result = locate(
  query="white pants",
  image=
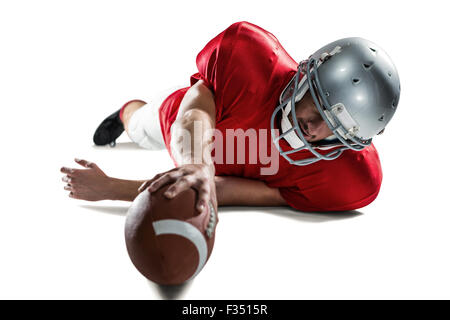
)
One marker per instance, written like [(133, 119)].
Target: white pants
[(144, 127)]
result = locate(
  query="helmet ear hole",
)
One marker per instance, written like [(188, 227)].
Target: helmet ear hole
[(356, 81), (368, 65), (395, 103)]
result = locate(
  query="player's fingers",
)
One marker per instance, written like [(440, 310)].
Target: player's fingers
[(77, 195), (67, 170), (68, 187), (147, 183), (179, 186), (144, 186), (163, 180), (67, 179), (203, 197), (85, 163)]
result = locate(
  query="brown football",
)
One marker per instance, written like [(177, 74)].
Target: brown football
[(168, 240)]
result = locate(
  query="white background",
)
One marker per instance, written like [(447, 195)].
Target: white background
[(65, 65)]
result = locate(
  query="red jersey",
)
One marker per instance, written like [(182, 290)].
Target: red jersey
[(247, 69)]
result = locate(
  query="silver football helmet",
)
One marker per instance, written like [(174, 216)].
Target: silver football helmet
[(355, 87)]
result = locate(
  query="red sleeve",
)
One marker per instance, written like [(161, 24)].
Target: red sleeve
[(350, 182), (207, 63)]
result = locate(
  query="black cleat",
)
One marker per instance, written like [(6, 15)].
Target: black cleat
[(109, 130)]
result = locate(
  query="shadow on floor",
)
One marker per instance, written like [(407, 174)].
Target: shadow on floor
[(120, 146), (282, 212), (170, 292), (285, 212), (113, 210)]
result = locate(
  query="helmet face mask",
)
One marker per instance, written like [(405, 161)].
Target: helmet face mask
[(354, 86)]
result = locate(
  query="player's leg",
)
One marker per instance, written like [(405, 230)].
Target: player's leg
[(112, 126), (139, 119), (141, 122), (128, 110)]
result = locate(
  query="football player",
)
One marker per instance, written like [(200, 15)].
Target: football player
[(313, 121)]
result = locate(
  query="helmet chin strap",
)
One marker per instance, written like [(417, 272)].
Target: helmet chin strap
[(292, 138)]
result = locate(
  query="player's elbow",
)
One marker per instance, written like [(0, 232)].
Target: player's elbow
[(193, 116)]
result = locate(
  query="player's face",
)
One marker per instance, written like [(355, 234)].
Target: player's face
[(310, 121)]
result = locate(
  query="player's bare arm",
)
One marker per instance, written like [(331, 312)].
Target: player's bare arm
[(191, 148), (236, 191), (90, 183)]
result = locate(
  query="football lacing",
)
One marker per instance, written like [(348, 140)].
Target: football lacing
[(212, 221)]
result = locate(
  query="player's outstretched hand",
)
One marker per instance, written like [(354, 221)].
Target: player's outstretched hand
[(90, 184), (197, 176)]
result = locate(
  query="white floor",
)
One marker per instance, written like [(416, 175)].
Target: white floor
[(60, 78)]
